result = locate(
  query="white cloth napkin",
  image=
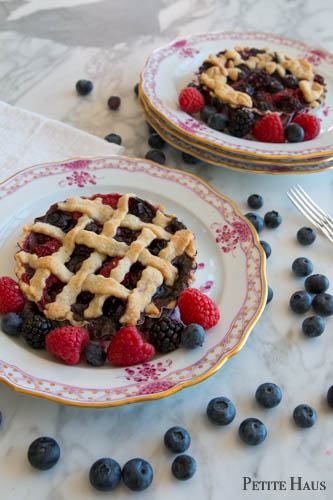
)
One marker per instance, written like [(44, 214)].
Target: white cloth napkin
[(28, 138)]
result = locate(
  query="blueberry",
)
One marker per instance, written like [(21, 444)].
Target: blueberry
[(177, 439), (316, 283), (189, 159), (269, 294), (323, 304), (114, 138), (155, 141), (275, 86), (183, 467), (330, 396), (302, 266), (84, 87), (290, 81), (221, 411), (114, 102), (43, 453), (192, 336), (272, 219), (252, 431), (137, 474), (105, 474), (151, 129), (300, 302), (294, 132), (255, 201), (218, 121), (156, 155), (304, 416), (95, 354), (256, 220), (206, 112), (267, 248), (0, 417), (11, 323), (268, 395), (306, 235), (313, 326), (136, 89)]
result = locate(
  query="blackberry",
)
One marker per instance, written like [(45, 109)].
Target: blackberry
[(290, 104), (291, 82), (241, 122), (259, 79), (34, 331), (263, 101), (165, 334), (246, 88), (275, 86)]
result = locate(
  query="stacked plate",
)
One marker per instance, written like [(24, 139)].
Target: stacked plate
[(170, 69)]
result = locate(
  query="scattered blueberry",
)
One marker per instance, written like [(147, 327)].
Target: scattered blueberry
[(189, 159), (136, 89), (183, 467), (156, 155), (252, 431), (218, 121), (316, 283), (206, 112), (151, 129), (192, 336), (105, 474), (313, 326), (11, 323), (155, 141), (221, 411), (302, 266), (323, 304), (0, 417), (255, 201), (137, 474), (114, 102), (272, 219), (95, 354), (84, 87), (177, 439), (114, 138), (306, 236), (294, 133), (304, 416), (43, 453), (300, 302), (256, 220), (267, 248), (268, 395), (269, 294), (330, 396)]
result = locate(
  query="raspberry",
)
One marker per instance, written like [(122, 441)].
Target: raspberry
[(269, 129), (11, 297), (67, 343), (310, 124), (106, 270), (195, 307), (47, 248), (128, 348), (191, 100)]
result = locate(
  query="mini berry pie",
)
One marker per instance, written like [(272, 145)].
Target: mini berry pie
[(104, 262), (246, 84)]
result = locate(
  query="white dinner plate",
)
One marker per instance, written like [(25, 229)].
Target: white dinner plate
[(231, 270)]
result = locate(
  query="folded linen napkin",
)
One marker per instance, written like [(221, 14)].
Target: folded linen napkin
[(27, 138)]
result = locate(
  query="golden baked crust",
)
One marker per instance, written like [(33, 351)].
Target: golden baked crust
[(158, 268)]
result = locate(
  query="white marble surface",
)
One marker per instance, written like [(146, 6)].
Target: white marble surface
[(46, 46)]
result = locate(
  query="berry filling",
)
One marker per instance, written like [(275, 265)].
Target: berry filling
[(142, 209), (108, 199), (29, 272), (53, 286), (80, 254)]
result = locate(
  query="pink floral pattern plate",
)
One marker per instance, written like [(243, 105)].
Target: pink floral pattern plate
[(171, 68), (231, 271)]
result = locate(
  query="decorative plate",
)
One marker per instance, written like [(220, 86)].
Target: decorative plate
[(231, 271), (171, 68), (229, 161)]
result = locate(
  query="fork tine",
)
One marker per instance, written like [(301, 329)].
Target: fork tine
[(297, 200), (311, 202)]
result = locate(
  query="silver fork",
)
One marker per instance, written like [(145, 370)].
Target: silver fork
[(311, 210)]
